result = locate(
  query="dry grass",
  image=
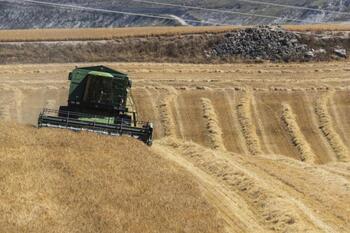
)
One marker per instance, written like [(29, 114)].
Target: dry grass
[(274, 211), (214, 129), (297, 137), (130, 45), (247, 127), (115, 33), (319, 27), (166, 115), (60, 181), (327, 128), (102, 33)]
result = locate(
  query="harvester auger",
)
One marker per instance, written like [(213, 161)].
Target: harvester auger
[(99, 101)]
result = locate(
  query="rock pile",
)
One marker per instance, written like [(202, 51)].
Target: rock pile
[(263, 43)]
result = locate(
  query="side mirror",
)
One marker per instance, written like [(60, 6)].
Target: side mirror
[(70, 76), (129, 83)]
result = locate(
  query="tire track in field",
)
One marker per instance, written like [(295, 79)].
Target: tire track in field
[(213, 127), (341, 111), (190, 114), (175, 109), (320, 192), (165, 112), (145, 100), (344, 172), (297, 137), (234, 139), (177, 116), (270, 110), (265, 145), (327, 128), (18, 98), (231, 207), (339, 126), (275, 209), (5, 112), (308, 125), (246, 124), (6, 97)]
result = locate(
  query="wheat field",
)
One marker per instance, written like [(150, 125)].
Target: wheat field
[(57, 181), (86, 34), (265, 147)]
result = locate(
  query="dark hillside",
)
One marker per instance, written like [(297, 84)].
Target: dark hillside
[(240, 45)]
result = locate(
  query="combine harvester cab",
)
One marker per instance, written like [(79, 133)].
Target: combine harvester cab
[(99, 101)]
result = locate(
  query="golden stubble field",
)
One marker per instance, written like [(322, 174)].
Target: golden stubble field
[(57, 181), (267, 145)]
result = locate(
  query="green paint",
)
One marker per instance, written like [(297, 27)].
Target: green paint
[(104, 120)]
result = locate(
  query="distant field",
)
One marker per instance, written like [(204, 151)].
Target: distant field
[(319, 27), (101, 33), (114, 33)]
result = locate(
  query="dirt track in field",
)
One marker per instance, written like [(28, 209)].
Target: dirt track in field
[(268, 144)]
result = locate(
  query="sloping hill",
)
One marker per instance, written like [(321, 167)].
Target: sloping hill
[(17, 14), (59, 181)]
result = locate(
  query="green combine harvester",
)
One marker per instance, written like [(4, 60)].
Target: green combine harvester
[(99, 101)]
